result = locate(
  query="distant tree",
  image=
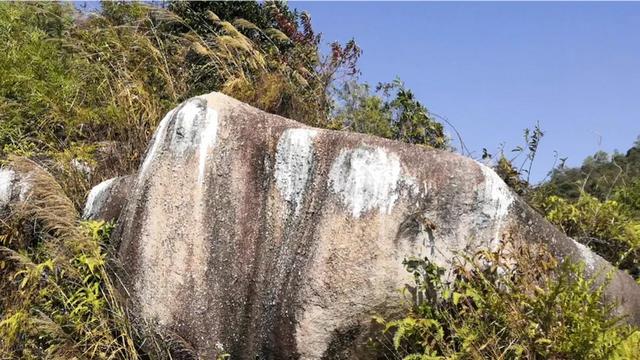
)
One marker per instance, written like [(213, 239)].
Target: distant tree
[(412, 122), (360, 111), (598, 204), (391, 112)]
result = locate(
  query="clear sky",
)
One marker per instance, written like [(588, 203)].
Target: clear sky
[(495, 68)]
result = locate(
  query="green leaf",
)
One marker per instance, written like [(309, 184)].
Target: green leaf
[(456, 297)]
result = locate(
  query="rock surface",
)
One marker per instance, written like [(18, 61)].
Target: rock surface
[(15, 187), (255, 234), (105, 200), (8, 180)]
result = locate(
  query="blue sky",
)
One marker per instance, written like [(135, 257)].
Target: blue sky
[(494, 69)]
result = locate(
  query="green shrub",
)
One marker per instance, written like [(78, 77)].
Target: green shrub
[(629, 197), (516, 302), (511, 176), (607, 227), (392, 112)]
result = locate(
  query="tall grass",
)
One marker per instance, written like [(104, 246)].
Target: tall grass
[(58, 299)]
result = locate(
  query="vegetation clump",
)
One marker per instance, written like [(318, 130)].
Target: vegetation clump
[(58, 300), (607, 227), (597, 204), (516, 302), (396, 114)]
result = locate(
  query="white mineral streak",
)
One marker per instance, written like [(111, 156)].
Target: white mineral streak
[(96, 197), (587, 255), (207, 141), (6, 184), (294, 161), (495, 198), (365, 179), (158, 138), (183, 262), (186, 127)]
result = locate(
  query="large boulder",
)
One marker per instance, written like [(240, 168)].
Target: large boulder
[(253, 234)]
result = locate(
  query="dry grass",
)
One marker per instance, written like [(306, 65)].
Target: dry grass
[(62, 303)]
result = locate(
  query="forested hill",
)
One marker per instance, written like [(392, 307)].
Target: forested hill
[(600, 175)]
